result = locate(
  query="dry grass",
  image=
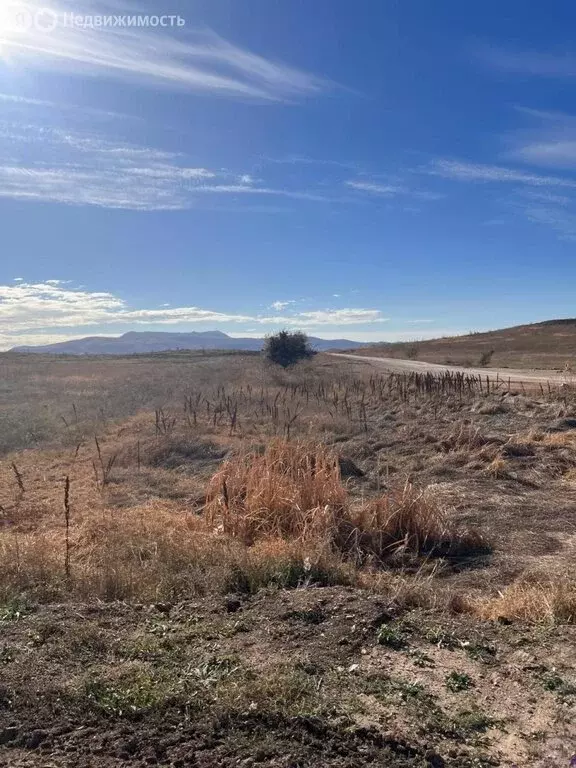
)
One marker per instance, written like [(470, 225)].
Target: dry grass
[(540, 601), (413, 521), (291, 490), (151, 553), (282, 516), (294, 490)]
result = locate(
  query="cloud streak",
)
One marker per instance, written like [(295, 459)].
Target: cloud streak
[(184, 59), (82, 169), (529, 62), (477, 172), (383, 190)]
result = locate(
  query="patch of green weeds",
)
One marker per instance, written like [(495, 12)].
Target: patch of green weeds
[(421, 659), (15, 609), (126, 697), (392, 636), (554, 683), (458, 681)]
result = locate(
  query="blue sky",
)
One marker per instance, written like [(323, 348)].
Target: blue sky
[(369, 170)]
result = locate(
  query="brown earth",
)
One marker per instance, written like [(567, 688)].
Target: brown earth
[(169, 644)]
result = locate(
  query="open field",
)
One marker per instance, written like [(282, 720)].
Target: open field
[(549, 345), (207, 561)]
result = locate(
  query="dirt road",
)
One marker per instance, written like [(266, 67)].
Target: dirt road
[(393, 365)]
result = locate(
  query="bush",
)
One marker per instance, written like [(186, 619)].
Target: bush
[(286, 348), (486, 358)]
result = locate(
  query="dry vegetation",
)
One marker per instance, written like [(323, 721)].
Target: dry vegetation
[(208, 561), (540, 345)]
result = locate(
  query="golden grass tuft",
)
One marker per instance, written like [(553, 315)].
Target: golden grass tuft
[(411, 519), (294, 490), (497, 468), (291, 490), (540, 601)]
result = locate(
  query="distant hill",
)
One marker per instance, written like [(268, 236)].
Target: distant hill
[(549, 344), (145, 342)]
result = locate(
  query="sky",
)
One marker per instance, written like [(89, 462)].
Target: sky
[(373, 170)]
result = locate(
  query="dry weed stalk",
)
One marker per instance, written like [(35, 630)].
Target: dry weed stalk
[(67, 523), (106, 466)]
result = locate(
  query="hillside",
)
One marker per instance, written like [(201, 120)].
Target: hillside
[(550, 344), (134, 342)]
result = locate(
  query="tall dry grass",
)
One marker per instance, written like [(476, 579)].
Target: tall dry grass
[(294, 490), (540, 600), (153, 552), (282, 516)]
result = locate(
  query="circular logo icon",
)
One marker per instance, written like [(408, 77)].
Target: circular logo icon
[(45, 20), (16, 18)]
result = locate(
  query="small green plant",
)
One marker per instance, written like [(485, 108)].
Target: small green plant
[(441, 638), (312, 616), (392, 636), (458, 681), (556, 684), (125, 698), (473, 721), (214, 670), (14, 610), (409, 690), (421, 659), (480, 651)]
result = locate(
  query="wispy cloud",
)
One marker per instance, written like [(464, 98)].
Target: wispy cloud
[(548, 141), (529, 62), (544, 196), (340, 317), (304, 160), (186, 58), (561, 220), (29, 311), (559, 154), (377, 189), (384, 190), (78, 168), (461, 171)]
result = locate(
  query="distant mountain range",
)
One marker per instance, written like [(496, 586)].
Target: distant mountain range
[(144, 342)]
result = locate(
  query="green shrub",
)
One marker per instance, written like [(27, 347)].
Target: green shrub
[(287, 348)]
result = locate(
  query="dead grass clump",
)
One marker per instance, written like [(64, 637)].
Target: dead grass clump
[(279, 517), (497, 468), (292, 490), (153, 552), (541, 601), (464, 437), (560, 439), (173, 453), (411, 519)]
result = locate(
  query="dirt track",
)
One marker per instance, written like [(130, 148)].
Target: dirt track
[(515, 375)]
